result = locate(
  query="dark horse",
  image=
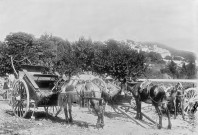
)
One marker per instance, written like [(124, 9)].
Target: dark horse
[(72, 91), (151, 94)]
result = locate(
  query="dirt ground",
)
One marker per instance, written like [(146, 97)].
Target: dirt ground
[(84, 123)]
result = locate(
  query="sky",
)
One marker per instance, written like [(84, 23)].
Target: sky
[(170, 22)]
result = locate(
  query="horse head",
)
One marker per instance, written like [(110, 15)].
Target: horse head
[(179, 86)]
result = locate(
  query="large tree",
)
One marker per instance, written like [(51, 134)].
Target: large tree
[(21, 47), (67, 61), (84, 52), (47, 50), (118, 60)]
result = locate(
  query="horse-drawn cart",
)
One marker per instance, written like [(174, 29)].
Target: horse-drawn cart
[(34, 89)]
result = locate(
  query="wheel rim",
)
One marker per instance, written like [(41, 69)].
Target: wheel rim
[(190, 97), (20, 99)]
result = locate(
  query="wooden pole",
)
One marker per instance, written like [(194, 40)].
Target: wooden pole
[(146, 117), (137, 122), (142, 114)]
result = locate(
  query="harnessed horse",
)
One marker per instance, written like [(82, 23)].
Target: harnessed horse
[(72, 91), (175, 97), (151, 94)]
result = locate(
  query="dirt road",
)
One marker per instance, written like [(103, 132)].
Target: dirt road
[(84, 124)]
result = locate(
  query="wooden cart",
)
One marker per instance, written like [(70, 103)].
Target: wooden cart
[(34, 89)]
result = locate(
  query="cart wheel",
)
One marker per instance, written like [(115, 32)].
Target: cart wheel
[(52, 110), (20, 98), (190, 98)]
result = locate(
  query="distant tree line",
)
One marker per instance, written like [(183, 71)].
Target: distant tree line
[(186, 71)]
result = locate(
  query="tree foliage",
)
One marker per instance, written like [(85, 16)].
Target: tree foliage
[(154, 57), (111, 57), (118, 60), (186, 71)]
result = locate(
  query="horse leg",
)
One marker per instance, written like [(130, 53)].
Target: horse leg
[(60, 109), (96, 107), (178, 106), (168, 115), (97, 110), (70, 112), (65, 111), (182, 104), (140, 112), (88, 105), (160, 116), (102, 108), (182, 108), (138, 115), (175, 108), (137, 109)]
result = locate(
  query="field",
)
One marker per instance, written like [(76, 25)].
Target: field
[(84, 122)]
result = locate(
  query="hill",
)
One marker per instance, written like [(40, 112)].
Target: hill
[(188, 56)]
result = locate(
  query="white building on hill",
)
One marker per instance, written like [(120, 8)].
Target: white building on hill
[(161, 51)]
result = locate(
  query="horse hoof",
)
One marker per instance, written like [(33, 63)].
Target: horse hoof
[(169, 127), (136, 117), (71, 120), (97, 125), (159, 127), (102, 125)]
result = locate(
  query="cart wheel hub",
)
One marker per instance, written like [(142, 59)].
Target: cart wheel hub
[(18, 98)]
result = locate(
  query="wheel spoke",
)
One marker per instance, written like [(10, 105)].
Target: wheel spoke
[(22, 110)]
